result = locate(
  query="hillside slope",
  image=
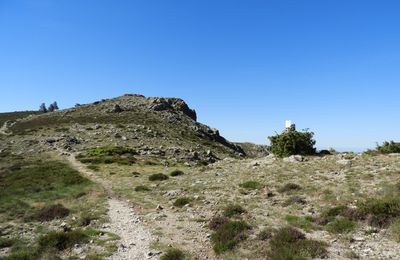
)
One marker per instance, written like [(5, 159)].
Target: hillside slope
[(161, 127)]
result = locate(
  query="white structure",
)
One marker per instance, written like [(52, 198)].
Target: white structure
[(290, 126)]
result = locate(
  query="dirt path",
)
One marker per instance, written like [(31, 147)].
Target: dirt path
[(135, 238)]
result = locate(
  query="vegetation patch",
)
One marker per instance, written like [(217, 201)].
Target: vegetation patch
[(305, 223), (386, 148), (394, 230), (290, 243), (158, 177), (52, 212), (6, 242), (142, 188), (295, 200), (292, 143), (177, 173), (233, 210), (289, 187), (251, 185), (380, 212), (62, 240), (39, 181), (341, 225), (266, 234), (181, 202), (216, 222), (173, 254), (228, 235)]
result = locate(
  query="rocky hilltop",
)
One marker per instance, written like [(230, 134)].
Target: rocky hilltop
[(165, 128)]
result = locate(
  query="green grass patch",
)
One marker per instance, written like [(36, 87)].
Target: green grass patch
[(251, 185), (38, 182), (62, 240), (305, 223), (341, 225)]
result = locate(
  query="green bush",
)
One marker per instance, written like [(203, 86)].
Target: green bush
[(176, 173), (158, 177), (109, 151), (290, 243), (251, 185), (141, 188), (228, 235), (233, 210), (181, 202), (173, 254), (216, 222), (389, 147), (292, 143)]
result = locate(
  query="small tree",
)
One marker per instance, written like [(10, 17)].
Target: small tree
[(55, 105), (388, 147), (43, 108), (293, 142), (51, 108)]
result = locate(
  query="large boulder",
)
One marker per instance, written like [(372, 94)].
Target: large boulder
[(173, 104)]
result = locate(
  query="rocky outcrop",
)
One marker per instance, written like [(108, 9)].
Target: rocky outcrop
[(173, 104)]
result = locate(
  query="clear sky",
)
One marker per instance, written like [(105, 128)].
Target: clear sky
[(246, 66)]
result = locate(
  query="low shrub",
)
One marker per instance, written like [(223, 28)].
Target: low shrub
[(173, 254), (228, 235), (305, 223), (52, 212), (158, 177), (266, 234), (251, 185), (176, 173), (181, 202), (295, 200), (290, 243), (380, 212), (289, 187), (340, 225), (109, 151), (216, 222), (6, 242), (62, 240), (141, 188), (233, 210)]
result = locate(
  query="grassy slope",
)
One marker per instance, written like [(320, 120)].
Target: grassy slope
[(27, 186)]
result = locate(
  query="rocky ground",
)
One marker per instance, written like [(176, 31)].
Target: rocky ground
[(120, 143)]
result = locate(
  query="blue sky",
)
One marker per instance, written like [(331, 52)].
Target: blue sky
[(246, 66)]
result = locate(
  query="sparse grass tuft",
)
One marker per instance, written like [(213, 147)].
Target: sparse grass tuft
[(181, 202), (251, 185), (289, 187), (394, 230), (135, 174), (290, 243), (176, 173), (233, 210), (173, 254), (228, 235), (158, 177)]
